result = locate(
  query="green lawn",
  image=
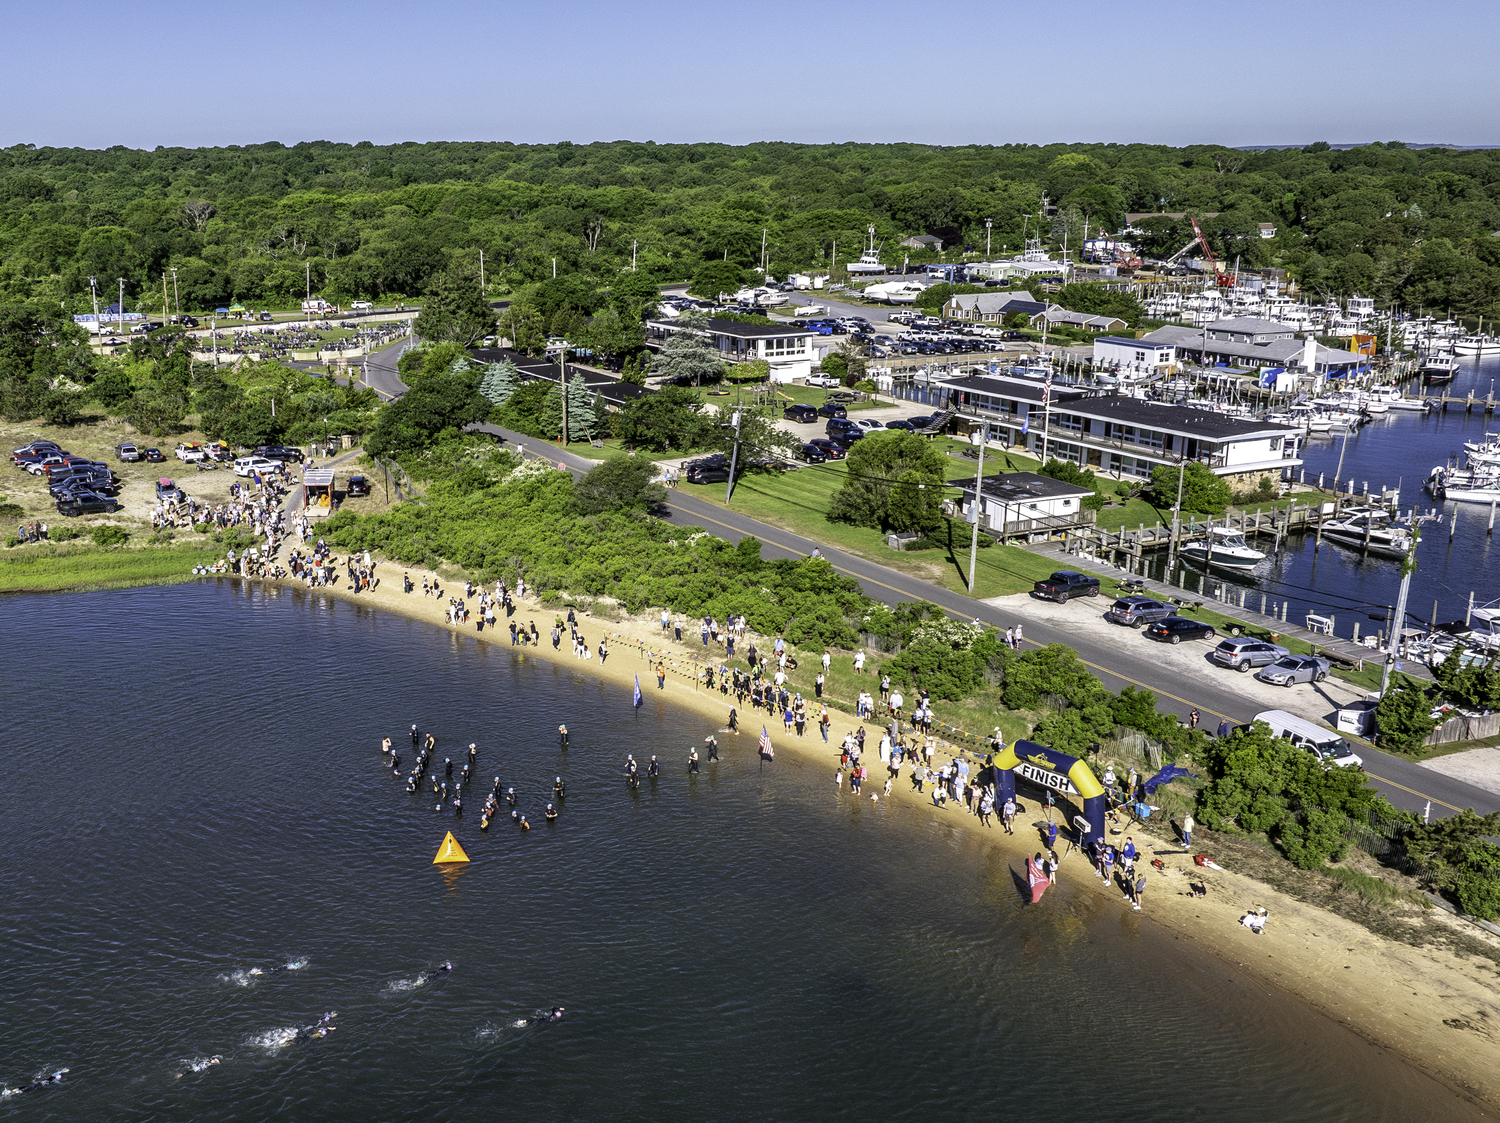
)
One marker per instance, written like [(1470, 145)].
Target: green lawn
[(797, 500)]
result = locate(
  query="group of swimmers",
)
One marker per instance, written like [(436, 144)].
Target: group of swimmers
[(450, 786)]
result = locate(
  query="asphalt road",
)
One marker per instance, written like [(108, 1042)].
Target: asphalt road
[(1404, 783)]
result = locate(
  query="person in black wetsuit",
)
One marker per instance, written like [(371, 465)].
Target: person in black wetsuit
[(559, 789), (693, 762), (319, 1028), (551, 813), (562, 738), (713, 747), (631, 770), (46, 1081), (654, 768)]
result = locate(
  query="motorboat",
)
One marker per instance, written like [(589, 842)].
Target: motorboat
[(1370, 530), (1393, 398), (1465, 485), (895, 292), (1225, 547), (869, 261), (1438, 367), (1476, 345)]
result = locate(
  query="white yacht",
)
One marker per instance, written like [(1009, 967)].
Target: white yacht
[(1476, 345), (1465, 486), (1395, 399), (869, 261), (1439, 367), (895, 292), (1371, 530), (1223, 546)]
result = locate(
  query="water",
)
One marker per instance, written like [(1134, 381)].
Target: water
[(198, 795), (1396, 450)]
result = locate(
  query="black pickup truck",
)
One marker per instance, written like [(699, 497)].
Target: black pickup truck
[(1064, 584)]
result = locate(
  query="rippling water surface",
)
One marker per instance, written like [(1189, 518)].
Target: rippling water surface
[(196, 796)]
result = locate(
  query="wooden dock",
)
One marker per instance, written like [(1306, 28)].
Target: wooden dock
[(1468, 403)]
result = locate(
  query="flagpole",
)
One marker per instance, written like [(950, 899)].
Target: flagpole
[(1046, 414)]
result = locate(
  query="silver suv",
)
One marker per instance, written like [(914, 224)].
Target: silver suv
[(1244, 654), (1135, 611)]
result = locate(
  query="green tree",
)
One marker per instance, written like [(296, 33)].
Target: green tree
[(582, 413), (621, 483), (523, 325), (455, 311), (1202, 491), (1097, 300), (612, 335), (439, 403), (716, 277), (669, 420), (1460, 859), (499, 381), (1403, 716), (686, 358), (522, 411), (893, 476)]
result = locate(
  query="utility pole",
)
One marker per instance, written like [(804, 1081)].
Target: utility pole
[(481, 272), (166, 309), (1177, 507), (562, 382), (984, 438), (308, 263), (1046, 412), (120, 317), (1393, 640), (176, 299), (989, 222), (734, 459), (762, 251), (633, 244), (94, 293)]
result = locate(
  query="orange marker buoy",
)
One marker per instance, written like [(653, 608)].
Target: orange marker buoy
[(450, 851)]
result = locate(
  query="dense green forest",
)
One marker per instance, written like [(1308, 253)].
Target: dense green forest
[(1416, 227)]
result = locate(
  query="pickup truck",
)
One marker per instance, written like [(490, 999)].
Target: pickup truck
[(1066, 583)]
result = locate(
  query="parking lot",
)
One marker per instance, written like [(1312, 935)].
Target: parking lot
[(1085, 617)]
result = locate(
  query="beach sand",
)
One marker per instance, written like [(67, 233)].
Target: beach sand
[(1431, 1005)]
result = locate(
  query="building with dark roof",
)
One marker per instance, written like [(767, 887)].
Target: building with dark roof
[(786, 348), (1024, 503), (1121, 436)]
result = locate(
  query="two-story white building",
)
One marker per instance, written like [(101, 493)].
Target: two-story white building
[(1124, 437), (1138, 357), (787, 350)]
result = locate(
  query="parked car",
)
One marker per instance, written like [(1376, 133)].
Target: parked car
[(282, 453), (1290, 669), (841, 425), (805, 415), (868, 425), (809, 453), (832, 409), (153, 456), (127, 453), (188, 321), (1133, 612), (358, 485), (190, 453), (707, 473), (70, 464), (1246, 654), (844, 438), (900, 424), (219, 452), (1065, 584), (1175, 629), (167, 490), (89, 481), (249, 465), (37, 467), (831, 449), (86, 503)]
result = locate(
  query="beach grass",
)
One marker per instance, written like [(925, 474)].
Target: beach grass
[(46, 568)]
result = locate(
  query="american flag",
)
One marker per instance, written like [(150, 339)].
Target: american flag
[(1046, 391), (765, 745)]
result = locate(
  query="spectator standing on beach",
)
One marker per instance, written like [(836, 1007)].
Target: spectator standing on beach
[(1187, 830), (1008, 815), (824, 721), (818, 684)]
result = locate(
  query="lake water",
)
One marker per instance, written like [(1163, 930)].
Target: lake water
[(197, 792)]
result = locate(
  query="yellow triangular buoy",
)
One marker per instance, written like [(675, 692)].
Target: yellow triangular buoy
[(450, 851)]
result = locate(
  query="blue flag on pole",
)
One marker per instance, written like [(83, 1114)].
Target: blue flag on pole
[(638, 698), (1026, 425)]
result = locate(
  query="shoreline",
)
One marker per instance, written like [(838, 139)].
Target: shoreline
[(1430, 1005)]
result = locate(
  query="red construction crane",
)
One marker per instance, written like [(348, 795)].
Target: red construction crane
[(1222, 277)]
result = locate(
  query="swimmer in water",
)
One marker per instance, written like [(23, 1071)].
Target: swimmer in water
[(654, 768), (45, 1081), (510, 796), (424, 977), (559, 789), (319, 1028), (199, 1066), (525, 826), (551, 813)]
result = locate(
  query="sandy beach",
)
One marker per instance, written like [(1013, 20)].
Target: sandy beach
[(1431, 1005)]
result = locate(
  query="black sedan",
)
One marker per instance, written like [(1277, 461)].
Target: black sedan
[(153, 456), (358, 485), (810, 453), (805, 414), (900, 424), (86, 503), (1175, 629), (830, 449), (832, 409)]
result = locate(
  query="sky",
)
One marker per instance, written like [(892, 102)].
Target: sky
[(941, 72)]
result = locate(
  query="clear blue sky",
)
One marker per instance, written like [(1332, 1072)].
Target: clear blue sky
[(943, 72)]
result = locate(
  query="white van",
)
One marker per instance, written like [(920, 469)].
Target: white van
[(1324, 744)]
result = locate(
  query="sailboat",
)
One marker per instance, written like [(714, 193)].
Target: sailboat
[(1223, 546)]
